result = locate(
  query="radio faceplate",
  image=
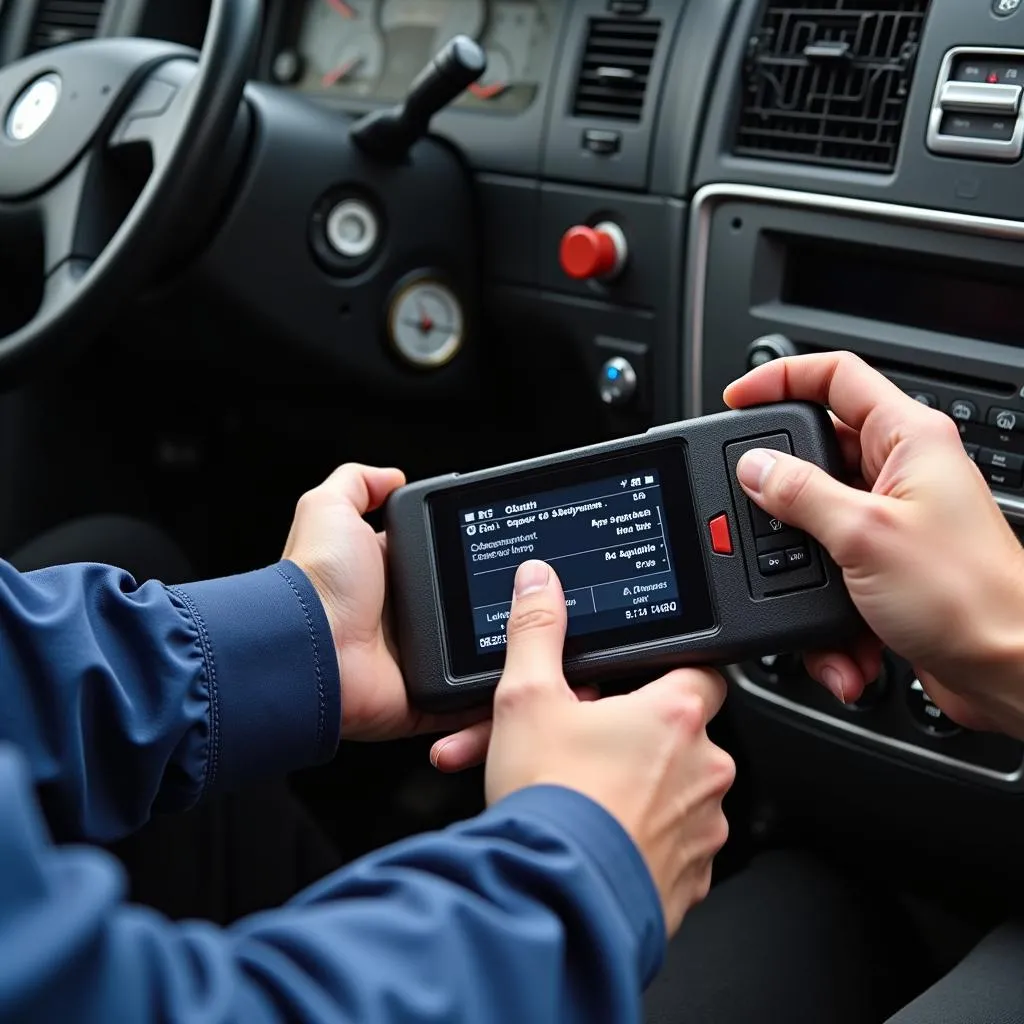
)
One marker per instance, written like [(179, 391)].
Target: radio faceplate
[(740, 240)]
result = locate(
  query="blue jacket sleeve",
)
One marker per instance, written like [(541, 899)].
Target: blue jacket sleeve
[(126, 699), (540, 910)]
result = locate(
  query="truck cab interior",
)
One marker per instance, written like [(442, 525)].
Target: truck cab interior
[(244, 242)]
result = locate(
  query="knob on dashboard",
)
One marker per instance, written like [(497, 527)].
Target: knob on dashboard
[(767, 348), (588, 253)]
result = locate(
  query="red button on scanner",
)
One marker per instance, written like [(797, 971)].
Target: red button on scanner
[(588, 253), (721, 541)]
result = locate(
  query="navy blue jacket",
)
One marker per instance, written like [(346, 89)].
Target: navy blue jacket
[(118, 700)]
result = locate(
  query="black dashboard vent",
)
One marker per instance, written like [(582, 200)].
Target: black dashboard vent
[(64, 21), (826, 81), (616, 69)]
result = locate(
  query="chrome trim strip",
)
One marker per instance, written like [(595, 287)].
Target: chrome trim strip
[(693, 365), (1014, 780)]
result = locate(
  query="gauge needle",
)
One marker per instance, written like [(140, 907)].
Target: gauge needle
[(426, 321), (487, 92), (340, 72), (342, 8)]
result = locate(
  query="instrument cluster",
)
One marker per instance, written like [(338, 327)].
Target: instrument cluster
[(373, 49)]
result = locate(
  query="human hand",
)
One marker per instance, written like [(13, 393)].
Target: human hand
[(644, 757), (346, 562), (927, 556)]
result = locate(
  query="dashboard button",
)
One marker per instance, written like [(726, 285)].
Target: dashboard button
[(598, 252), (796, 558), (1007, 479), (616, 382), (1001, 460), (972, 451), (1006, 419), (924, 398), (601, 142), (927, 714), (721, 541), (1004, 8), (764, 524), (963, 411), (772, 563)]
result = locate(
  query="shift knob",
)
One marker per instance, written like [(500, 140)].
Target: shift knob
[(390, 134)]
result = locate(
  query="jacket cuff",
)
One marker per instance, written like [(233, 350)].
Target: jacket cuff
[(605, 844), (271, 674)]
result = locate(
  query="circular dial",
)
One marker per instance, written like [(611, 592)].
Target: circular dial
[(446, 18), (342, 46), (426, 323)]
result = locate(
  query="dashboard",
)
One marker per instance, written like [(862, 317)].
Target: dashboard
[(373, 49), (667, 191)]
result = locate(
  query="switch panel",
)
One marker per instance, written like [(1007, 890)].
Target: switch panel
[(977, 109)]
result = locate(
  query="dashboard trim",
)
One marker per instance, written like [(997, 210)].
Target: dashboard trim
[(697, 258), (701, 210)]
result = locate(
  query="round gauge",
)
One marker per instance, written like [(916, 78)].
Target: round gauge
[(341, 45), (447, 18), (426, 323), (496, 79), (357, 64)]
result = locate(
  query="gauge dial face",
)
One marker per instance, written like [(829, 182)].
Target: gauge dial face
[(445, 18), (426, 323), (342, 46)]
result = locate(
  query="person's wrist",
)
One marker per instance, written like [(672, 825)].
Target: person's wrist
[(323, 592), (989, 664)]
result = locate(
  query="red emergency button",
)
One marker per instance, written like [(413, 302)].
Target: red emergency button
[(596, 252), (721, 541)]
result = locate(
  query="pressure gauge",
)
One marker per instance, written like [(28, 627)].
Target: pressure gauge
[(426, 324)]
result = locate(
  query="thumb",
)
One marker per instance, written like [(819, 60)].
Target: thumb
[(536, 635), (801, 494), (364, 487)]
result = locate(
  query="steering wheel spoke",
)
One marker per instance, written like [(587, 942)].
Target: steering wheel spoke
[(62, 283), (71, 216), (153, 120)]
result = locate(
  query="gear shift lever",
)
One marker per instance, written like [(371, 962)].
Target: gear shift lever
[(390, 134)]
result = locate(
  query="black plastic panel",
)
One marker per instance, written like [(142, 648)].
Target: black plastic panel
[(745, 288), (565, 156), (920, 178)]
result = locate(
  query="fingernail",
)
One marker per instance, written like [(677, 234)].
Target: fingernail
[(531, 577), (833, 680), (435, 751), (753, 468)]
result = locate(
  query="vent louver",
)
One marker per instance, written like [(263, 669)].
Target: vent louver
[(616, 69), (826, 81), (64, 21)]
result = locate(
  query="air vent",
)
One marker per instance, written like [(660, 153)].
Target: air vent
[(64, 21), (616, 69), (826, 81)]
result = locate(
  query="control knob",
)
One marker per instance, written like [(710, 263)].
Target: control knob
[(589, 253), (616, 383), (767, 348)]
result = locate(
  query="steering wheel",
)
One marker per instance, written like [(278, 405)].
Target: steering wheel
[(67, 113)]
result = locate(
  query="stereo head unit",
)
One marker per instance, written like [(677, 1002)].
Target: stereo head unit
[(663, 559)]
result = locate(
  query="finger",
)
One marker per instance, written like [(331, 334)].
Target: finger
[(707, 685), (536, 634), (805, 496), (838, 672), (468, 747), (849, 445), (365, 487), (462, 750), (840, 380), (867, 652)]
